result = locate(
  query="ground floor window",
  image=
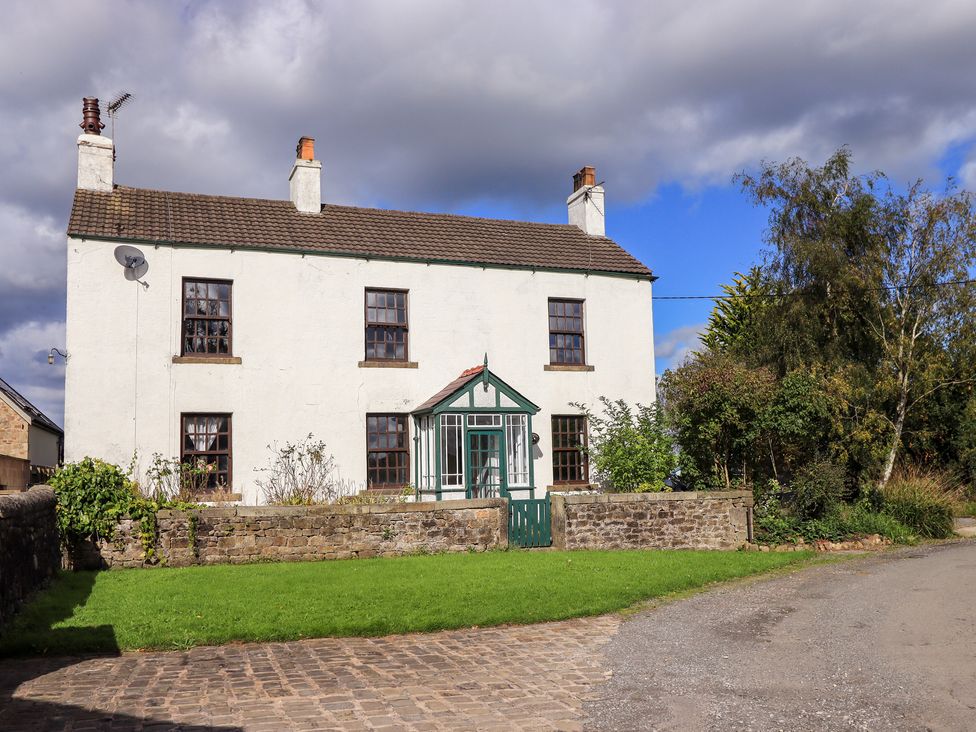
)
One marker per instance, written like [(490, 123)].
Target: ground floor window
[(207, 442), (387, 451), (569, 462)]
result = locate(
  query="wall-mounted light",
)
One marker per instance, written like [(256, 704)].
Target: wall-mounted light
[(50, 356)]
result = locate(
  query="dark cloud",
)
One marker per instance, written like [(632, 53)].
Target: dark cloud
[(440, 105)]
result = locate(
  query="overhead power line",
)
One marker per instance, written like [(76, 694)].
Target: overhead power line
[(769, 296)]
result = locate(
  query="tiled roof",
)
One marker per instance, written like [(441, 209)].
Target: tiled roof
[(37, 416), (466, 377), (140, 214)]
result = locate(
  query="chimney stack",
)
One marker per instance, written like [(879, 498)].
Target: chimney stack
[(586, 203), (96, 154), (306, 178)]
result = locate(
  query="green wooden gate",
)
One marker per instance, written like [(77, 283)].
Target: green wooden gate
[(530, 522)]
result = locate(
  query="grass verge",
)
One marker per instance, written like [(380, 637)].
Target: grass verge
[(180, 608)]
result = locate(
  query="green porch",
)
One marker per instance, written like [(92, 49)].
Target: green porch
[(473, 439)]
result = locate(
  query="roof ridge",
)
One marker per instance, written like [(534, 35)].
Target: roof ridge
[(348, 207), (26, 405)]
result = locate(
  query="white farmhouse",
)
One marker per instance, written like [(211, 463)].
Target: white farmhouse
[(431, 350)]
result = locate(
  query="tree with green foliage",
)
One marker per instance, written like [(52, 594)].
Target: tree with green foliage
[(629, 448), (872, 279), (734, 316), (714, 407)]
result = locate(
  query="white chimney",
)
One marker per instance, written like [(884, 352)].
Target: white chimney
[(96, 154), (306, 178), (586, 203)]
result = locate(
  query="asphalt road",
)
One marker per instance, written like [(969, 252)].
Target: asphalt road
[(886, 642)]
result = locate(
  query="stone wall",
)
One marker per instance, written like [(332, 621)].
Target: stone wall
[(13, 432), (29, 553), (705, 520), (298, 533)]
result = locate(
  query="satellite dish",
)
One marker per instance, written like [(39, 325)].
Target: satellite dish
[(133, 261)]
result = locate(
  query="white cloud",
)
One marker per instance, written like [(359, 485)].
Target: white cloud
[(967, 173), (676, 345)]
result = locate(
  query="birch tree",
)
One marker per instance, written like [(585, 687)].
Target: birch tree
[(927, 296)]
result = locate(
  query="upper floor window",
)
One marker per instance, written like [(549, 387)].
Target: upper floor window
[(569, 459), (206, 317), (386, 325), (206, 445), (566, 346)]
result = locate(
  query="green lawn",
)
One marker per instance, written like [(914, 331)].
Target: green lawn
[(178, 608)]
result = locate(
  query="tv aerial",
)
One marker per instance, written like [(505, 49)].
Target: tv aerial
[(134, 263), (118, 101)]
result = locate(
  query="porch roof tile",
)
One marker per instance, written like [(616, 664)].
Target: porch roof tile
[(466, 377)]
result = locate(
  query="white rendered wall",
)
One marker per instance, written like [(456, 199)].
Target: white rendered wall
[(298, 328)]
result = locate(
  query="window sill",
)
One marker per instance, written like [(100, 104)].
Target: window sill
[(567, 367), (207, 359), (388, 364), (563, 487)]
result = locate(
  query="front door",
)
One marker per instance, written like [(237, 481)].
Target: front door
[(486, 464)]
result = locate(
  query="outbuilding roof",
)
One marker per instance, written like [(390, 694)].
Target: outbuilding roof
[(21, 402), (163, 217)]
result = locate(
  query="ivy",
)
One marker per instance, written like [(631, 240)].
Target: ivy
[(94, 496), (191, 536)]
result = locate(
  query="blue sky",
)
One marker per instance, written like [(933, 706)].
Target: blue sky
[(473, 107)]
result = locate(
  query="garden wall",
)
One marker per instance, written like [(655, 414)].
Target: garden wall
[(29, 551), (706, 520), (299, 533)]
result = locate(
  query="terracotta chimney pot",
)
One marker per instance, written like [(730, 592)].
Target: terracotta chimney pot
[(306, 148), (585, 177), (91, 123)]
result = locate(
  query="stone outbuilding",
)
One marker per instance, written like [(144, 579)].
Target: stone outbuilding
[(29, 440)]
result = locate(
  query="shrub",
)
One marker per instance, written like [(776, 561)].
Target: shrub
[(863, 521), (630, 449), (300, 474), (368, 498), (817, 489), (772, 524), (775, 525), (925, 502), (713, 406), (92, 497), (168, 479)]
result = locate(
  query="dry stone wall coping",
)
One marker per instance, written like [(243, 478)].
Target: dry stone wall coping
[(657, 497), (338, 510), (13, 505)]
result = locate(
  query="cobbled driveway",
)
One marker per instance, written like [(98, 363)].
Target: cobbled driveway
[(530, 677), (886, 642)]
